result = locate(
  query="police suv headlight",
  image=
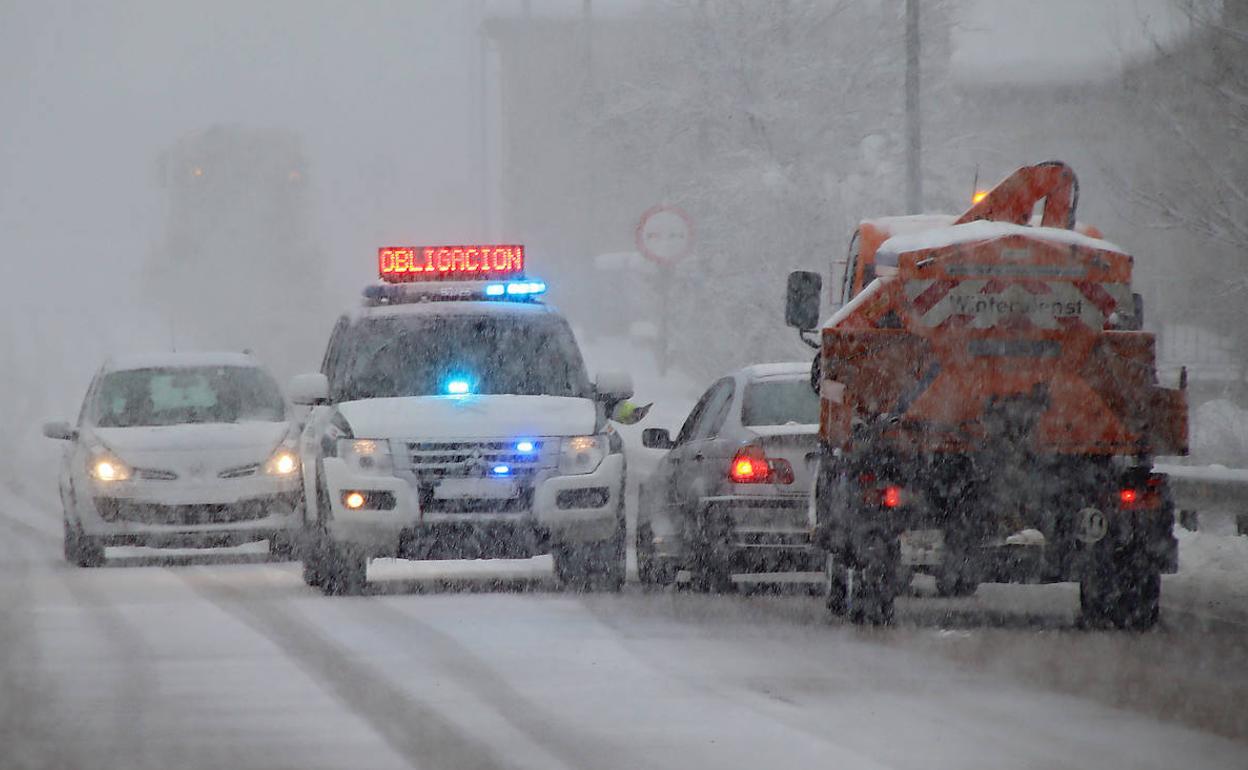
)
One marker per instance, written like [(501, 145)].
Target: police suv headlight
[(582, 454), (366, 455), (107, 467)]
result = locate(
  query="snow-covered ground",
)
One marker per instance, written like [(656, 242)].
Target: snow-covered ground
[(239, 665)]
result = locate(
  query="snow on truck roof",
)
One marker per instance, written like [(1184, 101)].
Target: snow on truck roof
[(983, 230), (178, 360)]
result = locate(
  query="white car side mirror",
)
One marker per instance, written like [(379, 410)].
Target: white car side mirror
[(309, 389), (60, 430), (614, 386)]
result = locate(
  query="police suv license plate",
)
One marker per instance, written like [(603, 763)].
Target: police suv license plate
[(481, 489)]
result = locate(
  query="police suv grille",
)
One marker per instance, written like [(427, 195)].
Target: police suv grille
[(460, 459)]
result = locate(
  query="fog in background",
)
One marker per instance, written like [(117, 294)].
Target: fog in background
[(220, 175), (374, 97)]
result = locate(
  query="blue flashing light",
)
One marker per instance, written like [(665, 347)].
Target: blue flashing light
[(457, 387), (501, 470), (525, 288), (525, 447), (495, 290)]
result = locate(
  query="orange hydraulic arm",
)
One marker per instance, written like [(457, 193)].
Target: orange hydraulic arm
[(1015, 197)]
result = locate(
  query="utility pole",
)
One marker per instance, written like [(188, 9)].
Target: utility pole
[(914, 141)]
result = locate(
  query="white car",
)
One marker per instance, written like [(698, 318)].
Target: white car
[(732, 493), (179, 449), (453, 420)]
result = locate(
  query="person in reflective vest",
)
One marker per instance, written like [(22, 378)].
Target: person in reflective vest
[(628, 413)]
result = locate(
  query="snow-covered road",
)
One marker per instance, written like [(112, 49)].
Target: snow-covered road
[(239, 665)]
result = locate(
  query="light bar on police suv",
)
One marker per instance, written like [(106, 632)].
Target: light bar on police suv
[(407, 264)]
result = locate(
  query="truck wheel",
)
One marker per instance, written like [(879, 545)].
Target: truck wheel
[(835, 585), (1120, 593), (592, 566), (872, 585), (1241, 524), (80, 549), (951, 580), (344, 570)]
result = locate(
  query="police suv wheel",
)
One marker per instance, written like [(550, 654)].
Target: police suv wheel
[(344, 570), (597, 566)]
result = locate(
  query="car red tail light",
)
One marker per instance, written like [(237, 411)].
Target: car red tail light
[(750, 466), (890, 496)]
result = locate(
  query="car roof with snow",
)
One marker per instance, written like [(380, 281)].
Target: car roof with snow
[(785, 370), (179, 360)]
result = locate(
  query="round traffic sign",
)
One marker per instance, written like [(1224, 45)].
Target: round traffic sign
[(664, 234)]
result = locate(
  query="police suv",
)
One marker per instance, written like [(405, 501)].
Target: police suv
[(453, 418)]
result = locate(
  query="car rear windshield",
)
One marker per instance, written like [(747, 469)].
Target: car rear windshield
[(459, 354), (780, 402), (178, 395)]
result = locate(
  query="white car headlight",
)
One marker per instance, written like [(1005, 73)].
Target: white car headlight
[(366, 455), (106, 467), (582, 454), (284, 462)]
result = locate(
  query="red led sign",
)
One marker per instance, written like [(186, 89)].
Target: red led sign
[(401, 264)]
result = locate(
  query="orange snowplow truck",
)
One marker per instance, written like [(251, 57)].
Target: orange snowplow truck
[(990, 409)]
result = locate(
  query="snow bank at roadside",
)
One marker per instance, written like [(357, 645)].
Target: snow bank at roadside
[(1213, 575)]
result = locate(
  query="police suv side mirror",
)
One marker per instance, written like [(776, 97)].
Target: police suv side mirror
[(60, 430), (801, 303), (308, 389), (613, 386), (657, 438)]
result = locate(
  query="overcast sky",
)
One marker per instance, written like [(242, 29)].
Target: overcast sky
[(382, 93)]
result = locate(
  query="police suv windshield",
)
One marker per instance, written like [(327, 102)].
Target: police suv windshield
[(177, 395), (449, 355)]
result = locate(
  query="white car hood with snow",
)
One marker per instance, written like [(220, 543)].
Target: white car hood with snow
[(194, 450), (469, 417)]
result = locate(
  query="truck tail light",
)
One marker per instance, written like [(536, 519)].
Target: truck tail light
[(1142, 494), (890, 496)]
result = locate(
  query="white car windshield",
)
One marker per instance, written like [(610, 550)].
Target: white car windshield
[(177, 395), (779, 402)]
